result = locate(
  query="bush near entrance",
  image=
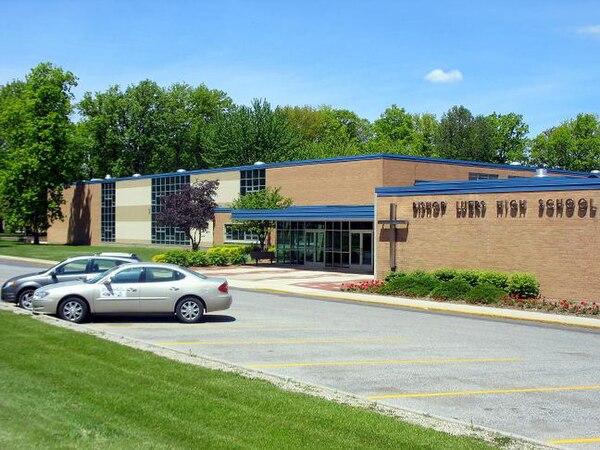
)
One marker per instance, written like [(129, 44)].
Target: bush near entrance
[(215, 256)]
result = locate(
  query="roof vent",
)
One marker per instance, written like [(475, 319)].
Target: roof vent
[(541, 172), (258, 163), (94, 179), (107, 177), (180, 170), (135, 175), (514, 163), (595, 173)]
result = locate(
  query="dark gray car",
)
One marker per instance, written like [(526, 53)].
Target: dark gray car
[(20, 289)]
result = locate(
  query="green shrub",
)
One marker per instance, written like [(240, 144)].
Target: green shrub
[(177, 256), (414, 284), (455, 289), (498, 279), (523, 285), (160, 258), (216, 259), (445, 274), (228, 254), (393, 275), (197, 258), (485, 293), (470, 276)]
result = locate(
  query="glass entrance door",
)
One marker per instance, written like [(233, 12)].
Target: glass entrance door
[(314, 248), (361, 250)]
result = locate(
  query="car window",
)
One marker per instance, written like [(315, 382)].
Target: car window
[(102, 265), (128, 275), (72, 267), (158, 274)]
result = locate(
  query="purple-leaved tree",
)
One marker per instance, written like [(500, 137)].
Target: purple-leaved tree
[(190, 210)]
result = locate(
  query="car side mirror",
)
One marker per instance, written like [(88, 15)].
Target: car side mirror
[(107, 281), (53, 273)]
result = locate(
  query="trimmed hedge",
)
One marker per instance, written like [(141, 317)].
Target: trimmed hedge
[(520, 285), (414, 284), (485, 293), (455, 289), (215, 256)]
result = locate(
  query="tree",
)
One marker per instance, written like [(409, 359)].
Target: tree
[(248, 134), (269, 198), (461, 135), (510, 141), (573, 145), (38, 158), (394, 131), (190, 210)]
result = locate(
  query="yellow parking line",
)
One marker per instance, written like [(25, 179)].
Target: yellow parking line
[(490, 391), (574, 441), (388, 362), (288, 341)]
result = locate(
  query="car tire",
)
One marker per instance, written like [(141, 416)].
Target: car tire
[(73, 309), (25, 299), (189, 310)]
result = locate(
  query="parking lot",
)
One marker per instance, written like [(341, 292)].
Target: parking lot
[(538, 381)]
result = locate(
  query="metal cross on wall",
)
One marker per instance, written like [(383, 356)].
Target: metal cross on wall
[(392, 222)]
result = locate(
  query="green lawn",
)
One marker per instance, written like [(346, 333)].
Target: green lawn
[(62, 389), (55, 252)]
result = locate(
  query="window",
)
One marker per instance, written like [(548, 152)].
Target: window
[(72, 267), (482, 176), (252, 180), (107, 212), (102, 265), (162, 187), (128, 275), (232, 234), (157, 274)]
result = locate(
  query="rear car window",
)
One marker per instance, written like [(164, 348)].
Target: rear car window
[(72, 267), (102, 265), (157, 274)]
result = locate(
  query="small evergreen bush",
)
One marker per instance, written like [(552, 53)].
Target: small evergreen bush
[(523, 285), (498, 279), (455, 289), (414, 284), (485, 293), (470, 276), (177, 256), (445, 274)]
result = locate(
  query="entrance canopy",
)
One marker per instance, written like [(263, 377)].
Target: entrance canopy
[(299, 213)]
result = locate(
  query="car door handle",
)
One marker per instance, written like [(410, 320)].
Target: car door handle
[(173, 288), (131, 290)]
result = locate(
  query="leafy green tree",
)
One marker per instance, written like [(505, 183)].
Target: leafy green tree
[(426, 127), (463, 136), (573, 145), (510, 142), (248, 134), (269, 198), (38, 158), (394, 131)]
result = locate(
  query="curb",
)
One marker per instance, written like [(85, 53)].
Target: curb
[(437, 423)]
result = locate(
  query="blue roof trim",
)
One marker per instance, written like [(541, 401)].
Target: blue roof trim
[(532, 184), (223, 210), (341, 159), (346, 212)]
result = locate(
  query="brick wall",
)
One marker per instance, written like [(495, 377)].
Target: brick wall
[(81, 211), (561, 251)]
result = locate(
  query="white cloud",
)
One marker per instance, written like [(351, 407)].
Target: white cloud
[(439, 76), (590, 30)]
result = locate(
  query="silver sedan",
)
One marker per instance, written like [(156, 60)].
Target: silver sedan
[(136, 288)]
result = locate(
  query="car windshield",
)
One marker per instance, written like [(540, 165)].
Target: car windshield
[(99, 276)]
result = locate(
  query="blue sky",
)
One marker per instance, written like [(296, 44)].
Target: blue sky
[(536, 58)]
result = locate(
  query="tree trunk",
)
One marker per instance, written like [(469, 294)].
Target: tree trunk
[(1, 225)]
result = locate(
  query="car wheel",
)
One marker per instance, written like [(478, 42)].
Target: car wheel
[(73, 309), (189, 310), (25, 299)]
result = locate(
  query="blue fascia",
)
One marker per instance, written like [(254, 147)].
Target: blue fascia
[(532, 184), (340, 160), (308, 213)]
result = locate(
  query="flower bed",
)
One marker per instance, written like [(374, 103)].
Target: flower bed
[(517, 290)]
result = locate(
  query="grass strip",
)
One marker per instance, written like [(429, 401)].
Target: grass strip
[(62, 389), (54, 252)]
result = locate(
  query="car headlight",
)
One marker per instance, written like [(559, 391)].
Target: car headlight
[(41, 294), (9, 284)]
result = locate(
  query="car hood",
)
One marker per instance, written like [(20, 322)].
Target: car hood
[(24, 277), (68, 285)]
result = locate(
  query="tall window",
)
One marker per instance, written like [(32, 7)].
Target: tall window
[(161, 187), (482, 176), (252, 180), (107, 212), (233, 234)]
